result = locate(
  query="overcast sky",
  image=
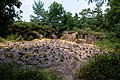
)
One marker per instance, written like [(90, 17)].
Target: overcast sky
[(73, 6)]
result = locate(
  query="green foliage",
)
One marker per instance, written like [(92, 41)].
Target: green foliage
[(8, 14), (13, 71), (25, 29), (30, 30), (93, 18), (88, 31), (2, 40), (101, 67), (56, 17), (41, 17), (30, 38), (56, 12), (113, 17), (13, 37), (109, 43), (47, 31), (91, 1), (106, 45), (68, 21)]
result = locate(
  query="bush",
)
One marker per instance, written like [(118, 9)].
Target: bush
[(106, 45), (13, 71), (25, 29), (30, 38), (13, 37), (29, 30), (2, 39), (47, 31), (101, 67)]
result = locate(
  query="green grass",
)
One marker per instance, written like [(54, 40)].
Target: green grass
[(101, 67), (106, 45), (13, 71)]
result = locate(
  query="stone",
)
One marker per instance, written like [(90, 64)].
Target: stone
[(40, 36), (53, 54), (80, 41), (69, 36), (53, 36), (21, 53)]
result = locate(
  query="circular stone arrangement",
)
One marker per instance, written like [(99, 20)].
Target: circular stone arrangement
[(62, 56)]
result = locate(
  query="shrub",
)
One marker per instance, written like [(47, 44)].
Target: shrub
[(47, 31), (29, 30), (25, 29), (2, 39), (108, 46), (13, 71), (30, 38), (13, 37), (101, 67)]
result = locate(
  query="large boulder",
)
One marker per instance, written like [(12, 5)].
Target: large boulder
[(80, 41), (53, 36), (69, 36), (41, 36)]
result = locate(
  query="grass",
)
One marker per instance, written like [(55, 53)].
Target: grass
[(101, 67), (106, 45), (13, 71)]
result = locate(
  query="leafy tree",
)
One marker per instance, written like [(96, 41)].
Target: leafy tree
[(41, 14), (68, 20), (85, 12), (86, 18), (94, 18), (91, 1), (113, 17), (76, 21), (98, 16), (56, 13), (8, 14), (76, 17)]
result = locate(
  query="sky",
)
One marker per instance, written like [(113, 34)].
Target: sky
[(73, 6)]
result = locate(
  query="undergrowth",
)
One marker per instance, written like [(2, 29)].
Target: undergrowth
[(101, 67), (13, 71)]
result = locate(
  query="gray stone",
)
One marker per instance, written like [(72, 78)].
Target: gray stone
[(63, 57)]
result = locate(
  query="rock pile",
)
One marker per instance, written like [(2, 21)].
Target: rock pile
[(62, 56)]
